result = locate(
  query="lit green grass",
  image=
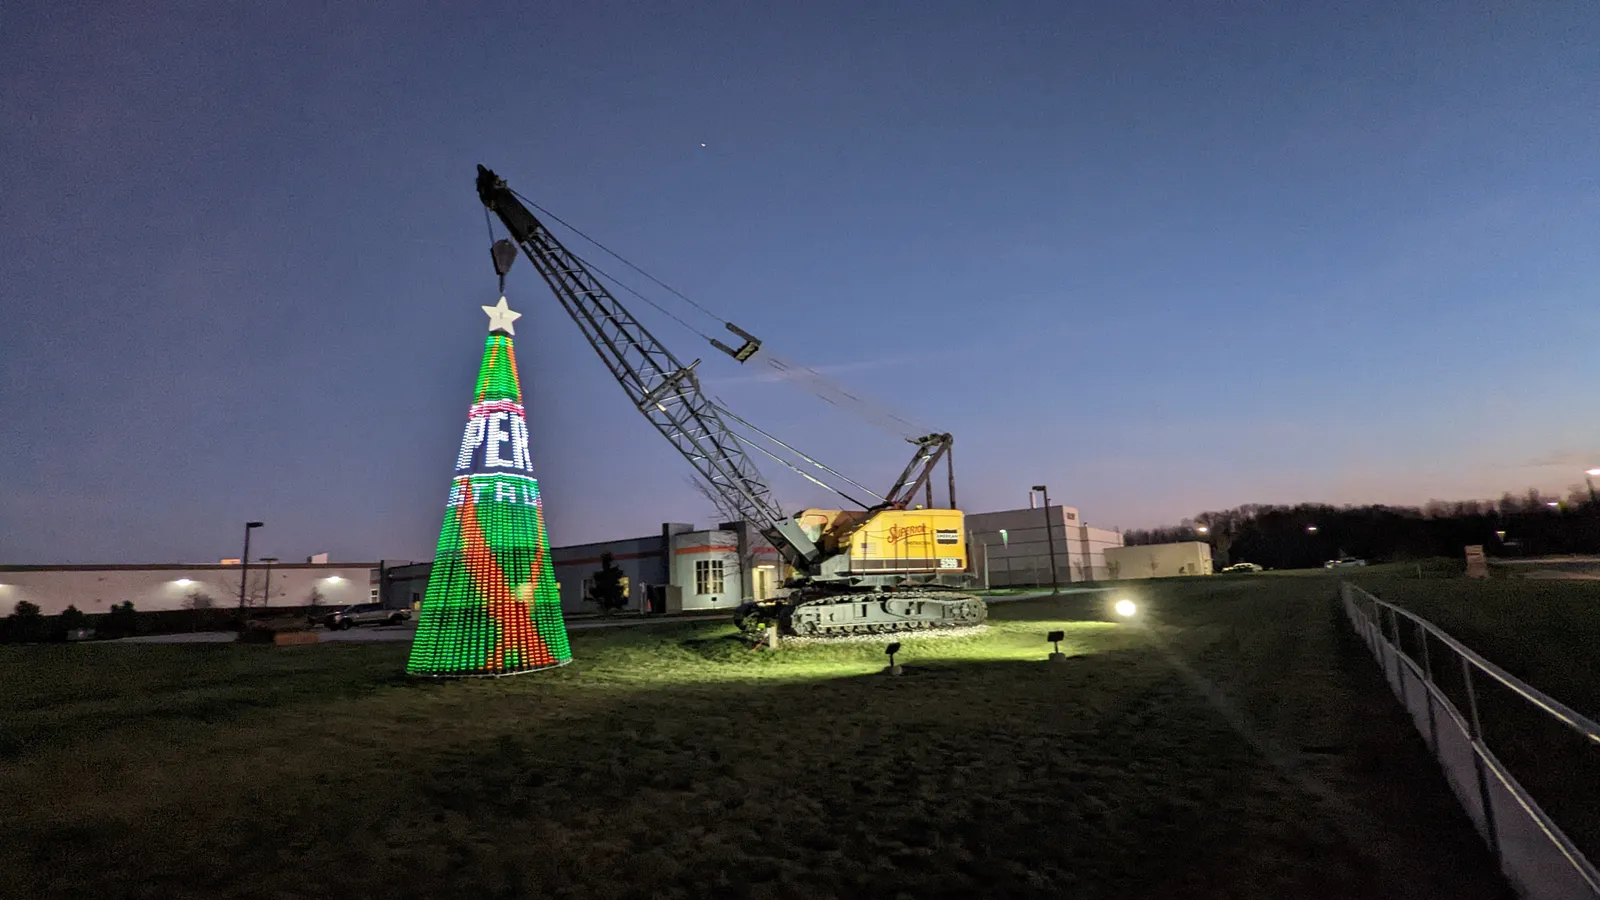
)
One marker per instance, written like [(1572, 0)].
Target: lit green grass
[(1235, 747)]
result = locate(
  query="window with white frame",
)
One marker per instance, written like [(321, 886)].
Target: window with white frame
[(708, 576)]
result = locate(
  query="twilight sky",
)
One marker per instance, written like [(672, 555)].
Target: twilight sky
[(1162, 256)]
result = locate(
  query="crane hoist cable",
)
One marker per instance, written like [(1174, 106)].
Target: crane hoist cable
[(821, 386), (620, 258), (788, 370), (741, 420)]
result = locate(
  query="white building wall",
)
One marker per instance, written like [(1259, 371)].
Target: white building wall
[(1161, 560), (719, 550), (1016, 548), (95, 589)]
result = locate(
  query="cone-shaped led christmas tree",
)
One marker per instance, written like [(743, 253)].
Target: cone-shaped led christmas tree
[(492, 606)]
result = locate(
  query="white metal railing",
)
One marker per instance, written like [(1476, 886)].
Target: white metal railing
[(1536, 856)]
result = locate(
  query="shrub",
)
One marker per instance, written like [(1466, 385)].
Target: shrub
[(606, 589), (120, 621), (63, 626), (25, 624)]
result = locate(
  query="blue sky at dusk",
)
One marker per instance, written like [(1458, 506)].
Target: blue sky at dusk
[(1164, 257)]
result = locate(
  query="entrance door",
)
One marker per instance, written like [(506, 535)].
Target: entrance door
[(762, 585)]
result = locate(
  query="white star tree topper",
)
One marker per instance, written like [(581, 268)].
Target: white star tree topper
[(501, 317)]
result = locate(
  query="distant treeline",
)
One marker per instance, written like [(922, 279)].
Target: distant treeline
[(1284, 537)]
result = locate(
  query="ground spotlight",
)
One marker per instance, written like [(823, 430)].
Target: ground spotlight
[(1126, 608), (1055, 638), (891, 650)]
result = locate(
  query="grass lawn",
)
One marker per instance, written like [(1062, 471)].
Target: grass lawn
[(1237, 746)]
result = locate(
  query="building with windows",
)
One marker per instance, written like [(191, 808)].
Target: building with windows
[(677, 570), (1013, 547)]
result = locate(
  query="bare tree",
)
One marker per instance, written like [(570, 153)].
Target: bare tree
[(196, 601), (742, 562), (725, 511)]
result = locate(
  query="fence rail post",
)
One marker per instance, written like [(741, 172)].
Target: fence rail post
[(1427, 687), (1478, 747), (1399, 664)]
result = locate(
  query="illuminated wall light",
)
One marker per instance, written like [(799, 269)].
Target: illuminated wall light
[(492, 606), (333, 579), (184, 582)]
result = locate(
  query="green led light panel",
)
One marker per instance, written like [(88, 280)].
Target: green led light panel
[(492, 606)]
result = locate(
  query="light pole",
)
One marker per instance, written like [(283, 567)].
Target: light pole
[(266, 589), (1050, 537), (244, 569)]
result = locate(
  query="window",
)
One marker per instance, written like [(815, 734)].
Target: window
[(708, 576)]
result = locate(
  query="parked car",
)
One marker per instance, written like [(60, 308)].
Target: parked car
[(365, 614), (1343, 562), (1242, 567)]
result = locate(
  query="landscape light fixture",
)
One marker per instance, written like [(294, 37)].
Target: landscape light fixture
[(1126, 608), (891, 650), (1055, 638)]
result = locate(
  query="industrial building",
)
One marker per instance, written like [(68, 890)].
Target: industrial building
[(1014, 546), (94, 589), (678, 570), (1160, 560)]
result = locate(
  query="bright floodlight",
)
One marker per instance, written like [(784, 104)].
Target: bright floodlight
[(1125, 608), (183, 582), (1592, 472)]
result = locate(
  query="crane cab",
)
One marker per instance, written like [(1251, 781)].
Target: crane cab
[(903, 544)]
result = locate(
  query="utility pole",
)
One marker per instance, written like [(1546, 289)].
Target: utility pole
[(266, 588), (1050, 537), (244, 569)]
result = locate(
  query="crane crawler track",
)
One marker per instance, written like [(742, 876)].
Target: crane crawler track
[(867, 612)]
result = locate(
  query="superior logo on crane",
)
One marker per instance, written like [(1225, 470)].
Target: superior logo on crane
[(883, 567)]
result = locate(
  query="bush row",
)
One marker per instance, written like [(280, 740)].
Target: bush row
[(28, 625)]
